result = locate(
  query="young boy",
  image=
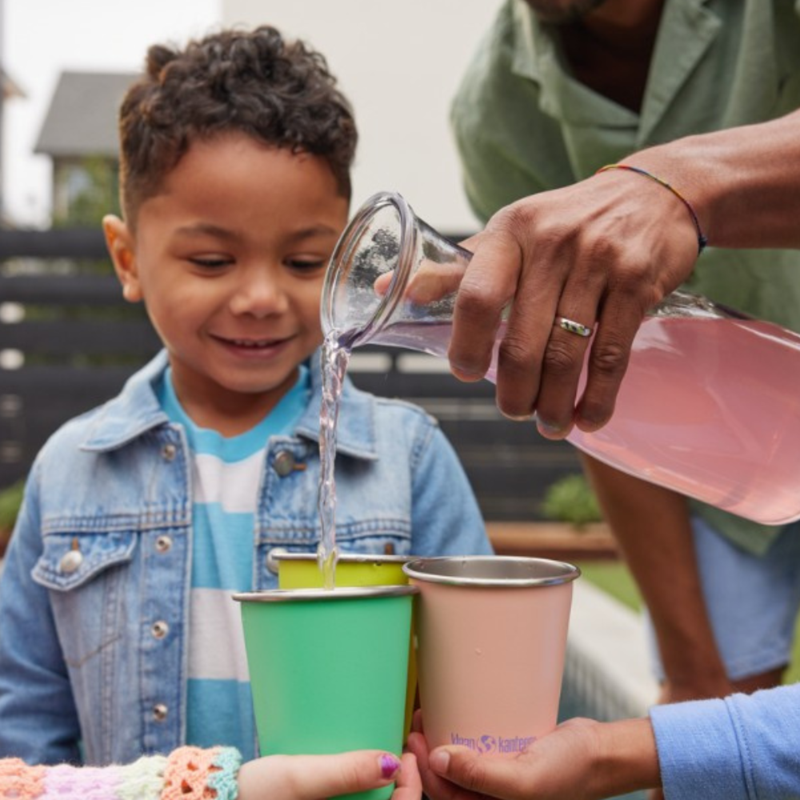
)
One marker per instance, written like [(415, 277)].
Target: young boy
[(140, 518)]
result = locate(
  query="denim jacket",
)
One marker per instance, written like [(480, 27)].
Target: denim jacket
[(94, 595)]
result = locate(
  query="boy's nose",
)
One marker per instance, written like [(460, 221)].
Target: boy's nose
[(259, 294)]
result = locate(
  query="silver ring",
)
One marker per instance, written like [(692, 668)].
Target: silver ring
[(572, 327)]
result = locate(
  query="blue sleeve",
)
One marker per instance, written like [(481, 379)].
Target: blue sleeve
[(745, 746), (445, 517), (38, 720)]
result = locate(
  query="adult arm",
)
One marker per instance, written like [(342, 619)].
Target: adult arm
[(652, 526), (37, 709), (738, 748), (606, 250), (734, 749)]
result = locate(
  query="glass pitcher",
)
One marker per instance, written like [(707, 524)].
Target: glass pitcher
[(709, 405)]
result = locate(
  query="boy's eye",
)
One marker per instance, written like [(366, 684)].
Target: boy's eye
[(211, 262), (306, 264)]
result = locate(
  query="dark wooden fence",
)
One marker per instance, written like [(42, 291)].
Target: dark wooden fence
[(68, 342)]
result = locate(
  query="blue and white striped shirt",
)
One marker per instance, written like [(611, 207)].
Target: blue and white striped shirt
[(226, 474)]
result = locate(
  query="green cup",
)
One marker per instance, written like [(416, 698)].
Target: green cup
[(301, 571), (328, 669)]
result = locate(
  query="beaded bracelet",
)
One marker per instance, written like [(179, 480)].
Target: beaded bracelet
[(702, 239)]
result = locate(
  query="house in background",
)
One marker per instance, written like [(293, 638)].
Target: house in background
[(10, 91), (79, 134)]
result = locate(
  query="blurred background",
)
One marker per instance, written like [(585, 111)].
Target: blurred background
[(65, 66), (68, 341)]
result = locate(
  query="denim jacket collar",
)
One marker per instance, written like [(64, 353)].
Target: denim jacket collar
[(136, 410)]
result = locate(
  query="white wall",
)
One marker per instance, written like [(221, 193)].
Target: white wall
[(399, 63)]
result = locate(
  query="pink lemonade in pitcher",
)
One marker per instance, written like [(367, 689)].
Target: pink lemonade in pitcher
[(709, 405), (711, 409)]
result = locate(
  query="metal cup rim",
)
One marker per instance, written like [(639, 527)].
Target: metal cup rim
[(339, 593), (502, 571), (347, 558)]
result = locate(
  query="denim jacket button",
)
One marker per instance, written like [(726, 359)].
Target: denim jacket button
[(169, 451), (70, 561), (272, 561), (163, 544), (159, 712), (283, 463), (160, 629)]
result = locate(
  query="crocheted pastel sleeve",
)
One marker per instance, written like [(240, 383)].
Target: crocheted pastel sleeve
[(188, 773)]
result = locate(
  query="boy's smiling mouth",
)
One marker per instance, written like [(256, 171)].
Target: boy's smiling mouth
[(254, 342), (253, 345)]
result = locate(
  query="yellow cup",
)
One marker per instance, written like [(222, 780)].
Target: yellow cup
[(301, 571)]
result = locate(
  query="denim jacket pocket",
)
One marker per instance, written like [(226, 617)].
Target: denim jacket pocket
[(69, 561), (92, 608)]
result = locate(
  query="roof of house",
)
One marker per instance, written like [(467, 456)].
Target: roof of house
[(11, 89), (82, 118)]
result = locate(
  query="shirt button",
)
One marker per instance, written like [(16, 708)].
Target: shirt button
[(163, 544), (70, 561), (283, 463), (159, 712), (272, 561), (160, 629), (168, 452)]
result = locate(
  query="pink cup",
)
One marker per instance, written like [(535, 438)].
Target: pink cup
[(492, 634)]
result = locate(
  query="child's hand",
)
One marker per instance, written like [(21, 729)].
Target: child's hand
[(317, 777)]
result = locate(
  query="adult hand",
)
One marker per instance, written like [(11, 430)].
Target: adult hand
[(601, 253), (317, 777), (552, 769), (430, 283), (580, 760)]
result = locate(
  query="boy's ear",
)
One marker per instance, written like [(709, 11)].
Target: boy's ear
[(120, 247)]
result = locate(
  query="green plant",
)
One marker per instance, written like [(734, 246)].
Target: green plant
[(571, 499), (91, 185), (614, 578), (10, 501)]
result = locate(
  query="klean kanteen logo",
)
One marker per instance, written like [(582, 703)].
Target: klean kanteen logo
[(485, 745)]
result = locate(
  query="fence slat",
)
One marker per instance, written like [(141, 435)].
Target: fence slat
[(84, 243), (82, 337), (93, 352), (62, 290)]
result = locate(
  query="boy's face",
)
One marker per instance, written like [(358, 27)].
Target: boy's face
[(229, 259)]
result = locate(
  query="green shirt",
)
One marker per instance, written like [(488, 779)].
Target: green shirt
[(524, 125)]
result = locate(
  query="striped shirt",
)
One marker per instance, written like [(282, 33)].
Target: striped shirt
[(226, 475)]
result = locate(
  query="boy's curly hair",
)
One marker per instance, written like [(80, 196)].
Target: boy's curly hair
[(255, 82)]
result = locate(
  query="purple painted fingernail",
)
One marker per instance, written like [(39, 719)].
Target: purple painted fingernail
[(389, 765)]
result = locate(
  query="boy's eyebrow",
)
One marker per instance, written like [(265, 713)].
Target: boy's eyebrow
[(313, 230), (209, 229)]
